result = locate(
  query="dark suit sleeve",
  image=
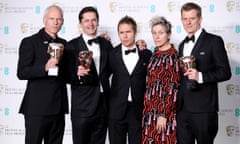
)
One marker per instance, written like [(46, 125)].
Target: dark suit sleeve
[(28, 67), (220, 68)]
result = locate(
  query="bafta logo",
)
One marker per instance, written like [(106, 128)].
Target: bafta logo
[(230, 47), (139, 27), (1, 89), (55, 50), (1, 48), (2, 128), (1, 7), (230, 5), (230, 130), (24, 28), (171, 6), (113, 6), (230, 89)]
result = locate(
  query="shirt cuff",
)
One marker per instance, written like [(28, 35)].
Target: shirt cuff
[(200, 78)]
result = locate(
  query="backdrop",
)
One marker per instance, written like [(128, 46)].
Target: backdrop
[(19, 19)]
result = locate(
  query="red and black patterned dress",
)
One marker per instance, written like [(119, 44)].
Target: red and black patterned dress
[(160, 97)]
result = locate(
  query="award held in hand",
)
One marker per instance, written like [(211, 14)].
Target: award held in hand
[(187, 62), (85, 59), (56, 51)]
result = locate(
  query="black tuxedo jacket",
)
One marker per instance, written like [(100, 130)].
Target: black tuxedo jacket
[(44, 95), (86, 91), (212, 61), (122, 80)]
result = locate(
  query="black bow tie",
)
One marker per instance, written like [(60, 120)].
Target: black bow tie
[(129, 51), (95, 40), (187, 39)]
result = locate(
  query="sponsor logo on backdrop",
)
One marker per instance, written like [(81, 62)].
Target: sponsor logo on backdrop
[(128, 7), (230, 130), (233, 90), (233, 48), (230, 89), (6, 131), (14, 91), (27, 28), (5, 49), (211, 8), (37, 9), (24, 28), (233, 6), (7, 8), (1, 7), (153, 8), (237, 29), (223, 112), (171, 6), (237, 70), (237, 112), (220, 29), (113, 6), (230, 5), (2, 129), (139, 27), (230, 47), (2, 89), (6, 90), (1, 48)]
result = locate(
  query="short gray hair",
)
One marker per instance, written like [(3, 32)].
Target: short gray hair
[(53, 6), (160, 20)]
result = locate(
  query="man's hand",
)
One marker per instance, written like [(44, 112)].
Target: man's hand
[(51, 63), (141, 44), (192, 74)]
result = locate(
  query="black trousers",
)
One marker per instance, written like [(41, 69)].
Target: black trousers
[(129, 127), (201, 127), (90, 130), (49, 129)]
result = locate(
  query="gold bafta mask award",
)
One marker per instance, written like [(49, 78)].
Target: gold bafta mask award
[(187, 62), (56, 51), (85, 58)]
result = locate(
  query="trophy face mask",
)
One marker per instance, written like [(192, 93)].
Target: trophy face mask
[(187, 62), (56, 50), (85, 58)]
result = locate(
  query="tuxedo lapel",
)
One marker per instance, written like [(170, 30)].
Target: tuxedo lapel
[(82, 46), (120, 58), (198, 46), (139, 62)]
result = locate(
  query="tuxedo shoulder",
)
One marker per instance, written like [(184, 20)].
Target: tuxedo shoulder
[(73, 40), (146, 52)]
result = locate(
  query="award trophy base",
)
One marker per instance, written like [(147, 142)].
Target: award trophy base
[(53, 71)]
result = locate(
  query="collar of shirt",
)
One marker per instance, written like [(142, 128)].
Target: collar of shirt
[(130, 60), (125, 48), (86, 38), (188, 47)]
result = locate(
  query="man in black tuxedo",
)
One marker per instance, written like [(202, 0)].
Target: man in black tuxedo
[(89, 86), (45, 100), (129, 68), (197, 112)]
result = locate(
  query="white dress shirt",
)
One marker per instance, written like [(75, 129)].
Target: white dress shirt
[(130, 60)]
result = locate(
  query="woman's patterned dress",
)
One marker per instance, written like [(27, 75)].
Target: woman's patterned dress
[(160, 97)]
